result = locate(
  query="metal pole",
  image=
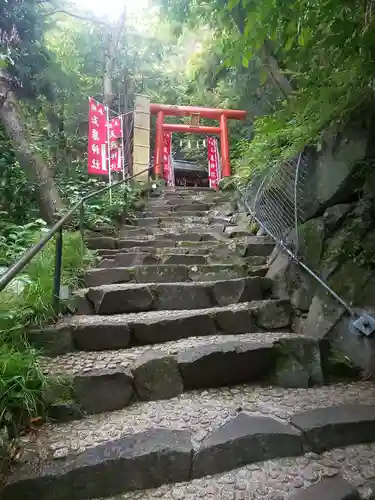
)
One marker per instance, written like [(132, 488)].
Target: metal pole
[(82, 221), (122, 147), (109, 158), (57, 276), (295, 202)]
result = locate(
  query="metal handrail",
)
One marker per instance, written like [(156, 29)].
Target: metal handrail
[(57, 230)]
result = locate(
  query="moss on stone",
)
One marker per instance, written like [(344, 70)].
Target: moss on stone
[(311, 241)]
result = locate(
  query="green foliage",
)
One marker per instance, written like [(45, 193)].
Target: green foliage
[(324, 51), (26, 303), (22, 386)]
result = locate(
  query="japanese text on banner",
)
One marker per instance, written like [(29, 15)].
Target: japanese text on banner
[(97, 139), (213, 163), (167, 150), (115, 133)]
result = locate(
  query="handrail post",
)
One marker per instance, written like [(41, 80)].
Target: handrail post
[(58, 266), (82, 221)]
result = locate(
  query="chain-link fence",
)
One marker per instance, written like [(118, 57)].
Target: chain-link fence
[(276, 199), (280, 200)]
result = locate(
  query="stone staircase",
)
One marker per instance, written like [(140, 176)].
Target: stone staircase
[(187, 381)]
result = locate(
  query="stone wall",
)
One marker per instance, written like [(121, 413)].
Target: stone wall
[(337, 241)]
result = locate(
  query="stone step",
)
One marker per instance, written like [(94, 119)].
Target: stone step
[(169, 273), (189, 207), (141, 297), (157, 232), (196, 258), (243, 247), (168, 221), (271, 439), (163, 212), (90, 332), (111, 380)]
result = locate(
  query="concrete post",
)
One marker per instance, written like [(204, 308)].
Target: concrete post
[(141, 139)]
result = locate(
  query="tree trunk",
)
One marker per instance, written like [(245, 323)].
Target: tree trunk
[(269, 60), (12, 118), (272, 65), (110, 61)]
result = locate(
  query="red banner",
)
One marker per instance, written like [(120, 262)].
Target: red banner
[(213, 163), (167, 150), (115, 133), (97, 139), (115, 128)]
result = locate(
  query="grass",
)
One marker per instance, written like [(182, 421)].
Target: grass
[(23, 385)]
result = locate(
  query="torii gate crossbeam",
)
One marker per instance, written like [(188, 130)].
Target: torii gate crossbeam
[(222, 115)]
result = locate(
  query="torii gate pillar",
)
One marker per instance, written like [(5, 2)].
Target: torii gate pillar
[(222, 115)]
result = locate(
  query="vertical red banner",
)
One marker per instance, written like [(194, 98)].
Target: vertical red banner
[(115, 133), (167, 150), (213, 163), (97, 139)]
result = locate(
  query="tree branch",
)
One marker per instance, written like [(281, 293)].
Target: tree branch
[(80, 17)]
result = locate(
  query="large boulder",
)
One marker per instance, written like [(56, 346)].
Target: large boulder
[(337, 175)]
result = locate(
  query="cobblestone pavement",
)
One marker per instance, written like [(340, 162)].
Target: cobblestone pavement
[(80, 362), (198, 411), (274, 479)]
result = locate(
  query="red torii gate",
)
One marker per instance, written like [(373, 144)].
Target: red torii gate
[(222, 115)]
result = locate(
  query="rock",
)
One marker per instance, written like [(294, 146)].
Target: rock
[(53, 341), (325, 311), (353, 345), (80, 304), (279, 272), (117, 299), (243, 440), (156, 376), (97, 277), (344, 245), (290, 373), (323, 314), (161, 274), (95, 242), (256, 245), (162, 243), (336, 426), (329, 488), (103, 390), (299, 363), (334, 216), (189, 260), (141, 461), (170, 296), (202, 367), (302, 296), (64, 412), (273, 314), (233, 320), (95, 333), (134, 259), (239, 290), (311, 240), (160, 329)]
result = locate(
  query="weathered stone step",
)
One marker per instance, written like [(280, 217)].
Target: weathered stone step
[(188, 257), (169, 221), (189, 207), (163, 212), (96, 333), (308, 477), (244, 247), (139, 447), (169, 273), (114, 379), (138, 297)]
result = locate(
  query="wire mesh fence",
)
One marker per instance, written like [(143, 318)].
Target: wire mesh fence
[(276, 198)]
